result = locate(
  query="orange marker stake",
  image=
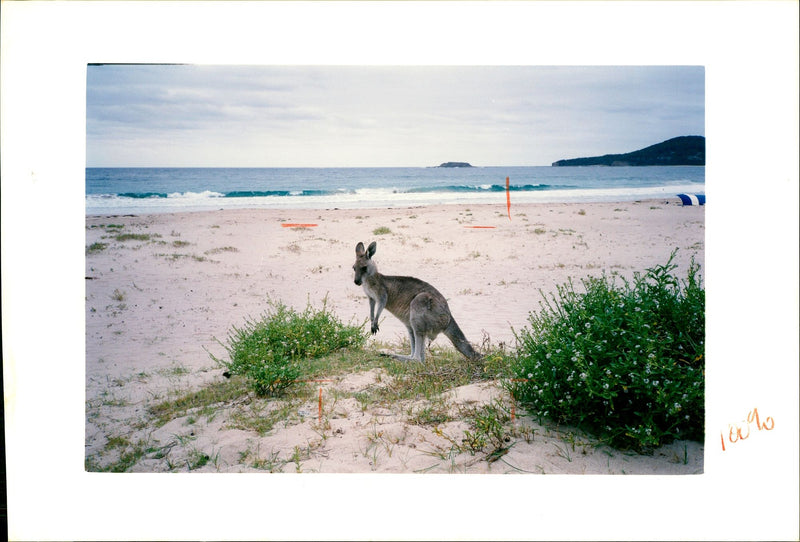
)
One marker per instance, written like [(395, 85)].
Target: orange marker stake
[(508, 198), (298, 225), (481, 227), (513, 401), (320, 392)]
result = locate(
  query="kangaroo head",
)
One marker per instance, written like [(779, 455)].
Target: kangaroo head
[(364, 266)]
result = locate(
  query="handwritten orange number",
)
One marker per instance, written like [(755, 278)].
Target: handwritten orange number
[(753, 416), (735, 431)]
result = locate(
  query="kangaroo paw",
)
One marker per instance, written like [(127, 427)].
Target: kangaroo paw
[(387, 354), (399, 357)]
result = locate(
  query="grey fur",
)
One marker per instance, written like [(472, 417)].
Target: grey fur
[(414, 302)]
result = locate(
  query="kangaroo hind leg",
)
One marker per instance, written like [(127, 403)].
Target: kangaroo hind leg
[(419, 346), (417, 339), (412, 337), (428, 316)]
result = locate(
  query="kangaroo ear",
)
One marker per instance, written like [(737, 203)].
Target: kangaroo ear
[(360, 249), (371, 249)]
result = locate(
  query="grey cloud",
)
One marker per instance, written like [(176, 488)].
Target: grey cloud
[(541, 113)]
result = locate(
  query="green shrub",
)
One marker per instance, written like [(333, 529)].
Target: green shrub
[(269, 351), (625, 362)]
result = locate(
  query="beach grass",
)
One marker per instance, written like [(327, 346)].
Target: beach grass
[(96, 247), (122, 237), (414, 392)]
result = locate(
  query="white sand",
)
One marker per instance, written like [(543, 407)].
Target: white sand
[(154, 308)]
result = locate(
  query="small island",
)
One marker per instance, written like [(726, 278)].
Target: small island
[(455, 164), (678, 151)]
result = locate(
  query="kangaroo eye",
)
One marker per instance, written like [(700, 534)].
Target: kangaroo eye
[(364, 269)]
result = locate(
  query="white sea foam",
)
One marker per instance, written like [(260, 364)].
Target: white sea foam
[(151, 190), (367, 198), (196, 195), (373, 192)]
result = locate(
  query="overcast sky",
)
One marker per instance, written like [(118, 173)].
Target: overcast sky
[(338, 116)]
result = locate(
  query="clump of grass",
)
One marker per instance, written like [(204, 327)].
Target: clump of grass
[(175, 256), (219, 250), (446, 369), (135, 237), (255, 417), (489, 428), (212, 394), (383, 230), (129, 454), (625, 362), (433, 413), (94, 248), (268, 351)]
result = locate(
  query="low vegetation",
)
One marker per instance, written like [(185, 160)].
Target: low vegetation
[(624, 360), (122, 237), (267, 351), (94, 248)]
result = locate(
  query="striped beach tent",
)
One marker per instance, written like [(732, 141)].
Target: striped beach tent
[(693, 199)]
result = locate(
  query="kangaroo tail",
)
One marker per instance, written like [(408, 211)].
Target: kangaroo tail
[(456, 336)]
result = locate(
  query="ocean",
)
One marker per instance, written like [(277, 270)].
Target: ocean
[(164, 190)]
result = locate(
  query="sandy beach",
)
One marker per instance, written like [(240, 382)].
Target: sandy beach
[(162, 289)]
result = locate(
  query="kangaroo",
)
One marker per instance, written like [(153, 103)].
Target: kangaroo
[(414, 302)]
